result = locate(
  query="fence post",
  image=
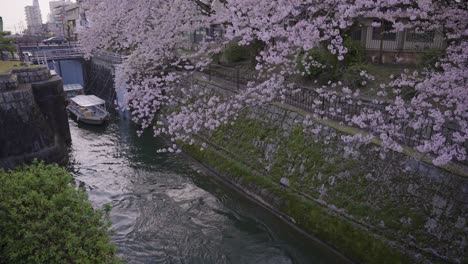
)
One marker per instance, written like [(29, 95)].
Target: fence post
[(209, 72), (323, 107), (237, 77)]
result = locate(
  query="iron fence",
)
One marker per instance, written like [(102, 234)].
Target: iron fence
[(338, 108), (111, 57), (229, 74), (341, 109), (56, 54)]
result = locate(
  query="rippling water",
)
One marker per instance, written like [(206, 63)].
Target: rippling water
[(165, 209)]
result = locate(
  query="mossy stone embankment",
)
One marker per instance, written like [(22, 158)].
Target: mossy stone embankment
[(372, 210)]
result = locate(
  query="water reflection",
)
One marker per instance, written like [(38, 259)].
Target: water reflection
[(166, 210)]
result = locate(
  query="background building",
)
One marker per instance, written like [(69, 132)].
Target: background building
[(34, 18), (57, 23), (1, 24), (72, 18)]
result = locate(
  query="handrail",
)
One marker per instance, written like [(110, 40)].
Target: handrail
[(306, 99)]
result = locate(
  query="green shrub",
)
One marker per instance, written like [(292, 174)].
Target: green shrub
[(323, 65), (408, 93), (356, 53), (430, 57), (352, 75), (236, 53), (45, 219)]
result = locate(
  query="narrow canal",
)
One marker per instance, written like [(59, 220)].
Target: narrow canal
[(166, 209)]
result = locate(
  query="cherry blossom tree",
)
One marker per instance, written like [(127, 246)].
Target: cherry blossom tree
[(153, 33)]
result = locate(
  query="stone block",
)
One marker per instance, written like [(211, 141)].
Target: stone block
[(8, 97), (18, 96)]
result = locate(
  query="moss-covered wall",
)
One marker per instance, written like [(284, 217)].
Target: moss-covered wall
[(374, 210)]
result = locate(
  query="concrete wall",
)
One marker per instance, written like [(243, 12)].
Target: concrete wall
[(101, 80)]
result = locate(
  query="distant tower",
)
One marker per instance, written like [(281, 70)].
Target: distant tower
[(1, 24), (34, 18)]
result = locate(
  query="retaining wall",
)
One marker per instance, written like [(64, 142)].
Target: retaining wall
[(375, 210), (101, 79), (33, 118)]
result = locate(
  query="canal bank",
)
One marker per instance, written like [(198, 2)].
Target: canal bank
[(166, 209), (391, 210), (374, 210)]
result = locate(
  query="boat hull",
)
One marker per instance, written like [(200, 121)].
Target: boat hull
[(91, 121), (87, 120)]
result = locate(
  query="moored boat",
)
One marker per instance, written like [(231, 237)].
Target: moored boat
[(88, 109), (72, 90)]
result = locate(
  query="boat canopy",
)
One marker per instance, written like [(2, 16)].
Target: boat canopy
[(72, 87), (87, 100)]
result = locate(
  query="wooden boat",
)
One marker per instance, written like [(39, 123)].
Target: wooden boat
[(88, 109), (72, 90)]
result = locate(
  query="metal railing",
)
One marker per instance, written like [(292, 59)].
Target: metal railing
[(340, 109), (56, 54), (229, 74), (108, 56)]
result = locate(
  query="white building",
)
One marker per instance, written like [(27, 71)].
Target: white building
[(34, 18), (57, 23)]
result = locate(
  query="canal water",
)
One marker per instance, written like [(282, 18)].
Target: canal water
[(166, 209)]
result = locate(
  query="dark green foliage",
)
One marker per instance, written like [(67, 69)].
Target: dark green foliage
[(332, 69), (430, 57), (44, 219), (237, 53), (356, 53), (216, 58), (327, 70), (408, 93), (6, 45), (352, 75)]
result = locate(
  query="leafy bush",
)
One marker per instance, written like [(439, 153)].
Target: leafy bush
[(44, 219), (408, 93), (319, 64), (6, 45), (236, 53), (430, 57), (356, 53), (356, 75)]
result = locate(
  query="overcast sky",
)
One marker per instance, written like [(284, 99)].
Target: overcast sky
[(13, 15)]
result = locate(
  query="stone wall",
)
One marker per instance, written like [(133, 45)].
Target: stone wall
[(33, 74), (32, 124), (8, 82), (372, 207)]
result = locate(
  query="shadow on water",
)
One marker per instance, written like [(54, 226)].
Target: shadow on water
[(165, 209)]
